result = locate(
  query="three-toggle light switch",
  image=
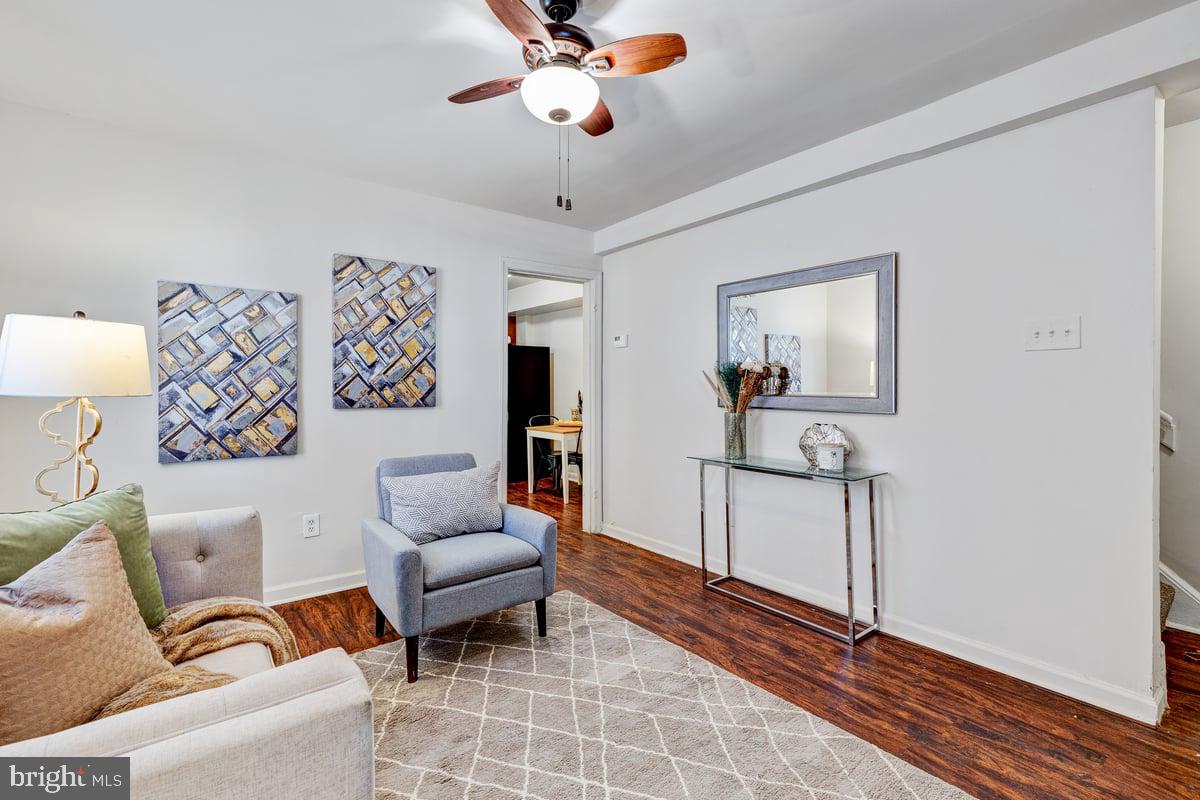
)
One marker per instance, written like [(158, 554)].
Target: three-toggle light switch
[(1053, 333)]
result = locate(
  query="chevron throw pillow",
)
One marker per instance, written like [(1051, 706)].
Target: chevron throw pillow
[(442, 504)]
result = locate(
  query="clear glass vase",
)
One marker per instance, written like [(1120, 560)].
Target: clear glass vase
[(735, 434)]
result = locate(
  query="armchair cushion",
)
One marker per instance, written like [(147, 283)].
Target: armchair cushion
[(449, 562), (443, 504)]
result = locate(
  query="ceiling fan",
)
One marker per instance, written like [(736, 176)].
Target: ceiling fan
[(563, 62)]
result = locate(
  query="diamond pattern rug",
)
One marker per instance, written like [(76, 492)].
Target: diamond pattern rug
[(601, 709)]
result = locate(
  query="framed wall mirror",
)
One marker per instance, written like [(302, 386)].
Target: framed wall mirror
[(832, 329)]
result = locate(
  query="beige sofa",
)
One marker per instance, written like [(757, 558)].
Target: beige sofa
[(302, 730)]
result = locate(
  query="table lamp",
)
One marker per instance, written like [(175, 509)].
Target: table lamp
[(75, 358)]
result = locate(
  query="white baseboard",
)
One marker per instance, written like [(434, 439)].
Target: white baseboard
[(302, 590), (1141, 707), (1146, 708)]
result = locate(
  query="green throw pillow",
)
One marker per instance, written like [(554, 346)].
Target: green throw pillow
[(28, 538)]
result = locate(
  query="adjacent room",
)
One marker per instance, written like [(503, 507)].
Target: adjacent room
[(600, 400), (546, 367)]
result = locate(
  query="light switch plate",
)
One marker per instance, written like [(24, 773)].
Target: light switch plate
[(621, 340), (310, 525), (1053, 333), (1167, 431)]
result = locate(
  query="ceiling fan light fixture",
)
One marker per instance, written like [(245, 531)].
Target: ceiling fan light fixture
[(560, 94)]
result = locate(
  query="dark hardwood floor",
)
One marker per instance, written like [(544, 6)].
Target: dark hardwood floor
[(992, 735)]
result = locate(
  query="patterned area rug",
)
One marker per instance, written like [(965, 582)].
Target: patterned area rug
[(601, 709)]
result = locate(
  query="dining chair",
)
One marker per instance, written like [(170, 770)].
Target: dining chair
[(546, 460)]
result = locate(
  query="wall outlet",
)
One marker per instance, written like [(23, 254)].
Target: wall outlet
[(1053, 333), (621, 340), (310, 525)]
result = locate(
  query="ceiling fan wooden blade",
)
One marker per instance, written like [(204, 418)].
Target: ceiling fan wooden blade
[(486, 91), (599, 122), (638, 55), (523, 24)]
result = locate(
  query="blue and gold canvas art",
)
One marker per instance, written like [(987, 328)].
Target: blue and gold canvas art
[(227, 373), (384, 334)]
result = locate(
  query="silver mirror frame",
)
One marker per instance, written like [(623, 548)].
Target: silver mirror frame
[(884, 268)]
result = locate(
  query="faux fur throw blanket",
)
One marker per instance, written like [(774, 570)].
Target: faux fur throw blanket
[(205, 626)]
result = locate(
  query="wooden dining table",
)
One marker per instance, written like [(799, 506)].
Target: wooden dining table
[(556, 433)]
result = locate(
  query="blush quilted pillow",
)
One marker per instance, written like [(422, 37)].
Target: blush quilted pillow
[(442, 504), (71, 639)]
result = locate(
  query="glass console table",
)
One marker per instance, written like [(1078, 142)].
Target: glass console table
[(802, 471)]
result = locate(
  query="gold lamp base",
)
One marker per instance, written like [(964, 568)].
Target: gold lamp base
[(76, 452)]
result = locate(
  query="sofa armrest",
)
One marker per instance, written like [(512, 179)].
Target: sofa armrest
[(300, 730), (208, 554), (395, 576), (541, 531)]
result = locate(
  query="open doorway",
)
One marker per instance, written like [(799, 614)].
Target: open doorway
[(550, 429), (1179, 495)]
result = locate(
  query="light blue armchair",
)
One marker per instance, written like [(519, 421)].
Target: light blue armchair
[(421, 588)]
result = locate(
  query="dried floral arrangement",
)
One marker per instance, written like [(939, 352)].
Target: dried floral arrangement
[(742, 381)]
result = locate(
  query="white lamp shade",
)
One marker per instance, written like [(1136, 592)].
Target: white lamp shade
[(69, 357), (559, 94)]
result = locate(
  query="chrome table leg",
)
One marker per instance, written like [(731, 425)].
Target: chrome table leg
[(728, 522), (703, 562), (849, 566), (874, 556)]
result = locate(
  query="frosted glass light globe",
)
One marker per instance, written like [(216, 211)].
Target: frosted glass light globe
[(559, 94)]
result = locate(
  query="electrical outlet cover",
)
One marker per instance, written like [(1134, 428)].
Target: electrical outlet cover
[(310, 525)]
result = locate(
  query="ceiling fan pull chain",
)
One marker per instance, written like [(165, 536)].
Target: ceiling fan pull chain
[(568, 128), (558, 133)]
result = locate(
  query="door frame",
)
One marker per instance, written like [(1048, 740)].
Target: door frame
[(593, 352)]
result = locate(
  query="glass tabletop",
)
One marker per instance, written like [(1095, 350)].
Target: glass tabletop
[(794, 469)]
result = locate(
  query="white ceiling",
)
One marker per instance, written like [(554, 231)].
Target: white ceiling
[(358, 87), (517, 281)]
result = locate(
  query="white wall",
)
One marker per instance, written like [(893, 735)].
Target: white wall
[(91, 217), (1017, 526), (852, 335), (562, 332), (1181, 351)]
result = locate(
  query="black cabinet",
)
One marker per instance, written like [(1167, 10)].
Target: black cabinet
[(528, 396)]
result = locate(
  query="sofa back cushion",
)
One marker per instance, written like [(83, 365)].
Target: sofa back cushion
[(440, 504), (28, 538), (73, 639)]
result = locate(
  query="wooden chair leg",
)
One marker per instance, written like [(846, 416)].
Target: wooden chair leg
[(411, 644), (540, 605), (380, 622)]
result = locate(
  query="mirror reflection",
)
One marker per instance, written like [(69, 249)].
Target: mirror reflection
[(824, 334)]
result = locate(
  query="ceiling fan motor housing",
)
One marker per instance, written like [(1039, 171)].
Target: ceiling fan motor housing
[(571, 42)]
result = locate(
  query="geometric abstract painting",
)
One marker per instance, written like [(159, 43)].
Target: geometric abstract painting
[(743, 334), (227, 364), (784, 349), (384, 340)]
